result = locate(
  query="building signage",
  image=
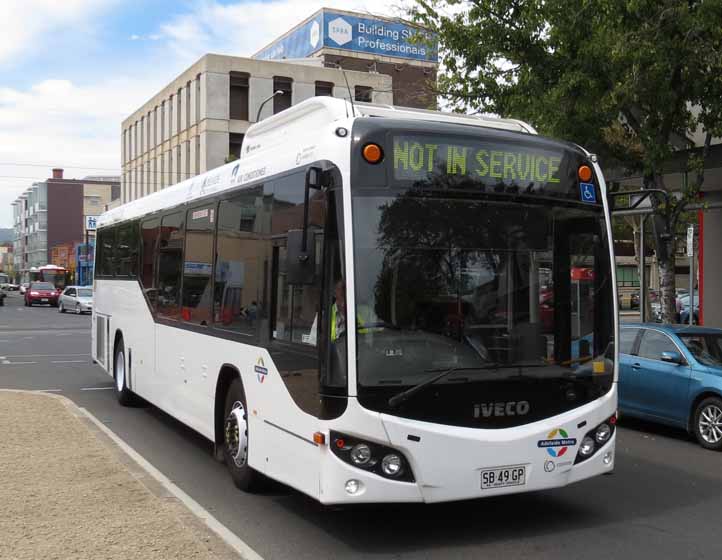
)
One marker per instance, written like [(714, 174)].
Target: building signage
[(339, 30), (91, 223)]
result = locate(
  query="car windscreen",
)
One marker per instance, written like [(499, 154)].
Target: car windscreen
[(42, 286), (86, 293)]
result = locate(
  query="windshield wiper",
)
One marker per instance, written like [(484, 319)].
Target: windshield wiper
[(405, 395)]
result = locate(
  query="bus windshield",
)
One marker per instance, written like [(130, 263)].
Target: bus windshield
[(520, 290)]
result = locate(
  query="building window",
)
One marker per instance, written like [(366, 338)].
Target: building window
[(187, 169), (170, 117), (198, 98), (148, 126), (179, 111), (142, 136), (155, 126), (238, 108), (282, 101), (234, 145), (362, 93), (324, 88), (627, 276), (123, 145), (162, 121), (162, 172), (178, 166), (198, 154), (188, 105)]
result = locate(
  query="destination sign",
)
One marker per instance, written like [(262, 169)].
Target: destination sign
[(427, 158)]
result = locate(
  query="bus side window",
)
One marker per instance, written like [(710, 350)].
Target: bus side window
[(106, 243), (170, 265), (198, 264), (149, 239), (238, 303), (126, 250)]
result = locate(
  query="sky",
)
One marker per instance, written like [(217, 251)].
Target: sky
[(72, 70)]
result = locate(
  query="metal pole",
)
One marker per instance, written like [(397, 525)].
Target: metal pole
[(275, 93), (87, 252), (691, 283), (642, 274)]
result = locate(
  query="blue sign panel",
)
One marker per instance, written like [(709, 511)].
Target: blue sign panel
[(375, 36), (353, 33), (587, 193), (301, 43)]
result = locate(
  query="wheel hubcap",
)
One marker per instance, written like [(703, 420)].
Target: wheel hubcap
[(710, 424), (236, 434), (119, 371)]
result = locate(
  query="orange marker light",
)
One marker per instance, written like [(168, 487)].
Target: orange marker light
[(372, 153), (585, 173), (319, 438)]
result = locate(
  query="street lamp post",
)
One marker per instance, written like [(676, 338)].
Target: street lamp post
[(275, 93)]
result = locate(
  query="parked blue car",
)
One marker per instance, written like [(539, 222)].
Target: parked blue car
[(672, 374)]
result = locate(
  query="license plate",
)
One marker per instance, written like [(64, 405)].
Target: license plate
[(503, 476), (44, 299)]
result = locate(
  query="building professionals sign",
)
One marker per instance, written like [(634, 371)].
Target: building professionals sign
[(338, 30)]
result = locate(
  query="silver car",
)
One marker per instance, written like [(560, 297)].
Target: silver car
[(78, 299)]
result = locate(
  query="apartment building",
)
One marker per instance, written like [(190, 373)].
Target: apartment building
[(53, 212), (197, 122)]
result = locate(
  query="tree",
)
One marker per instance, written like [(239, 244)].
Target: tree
[(629, 80)]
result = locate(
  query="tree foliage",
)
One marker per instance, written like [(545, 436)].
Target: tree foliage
[(629, 80)]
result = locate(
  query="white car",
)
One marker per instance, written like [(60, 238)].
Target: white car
[(78, 299)]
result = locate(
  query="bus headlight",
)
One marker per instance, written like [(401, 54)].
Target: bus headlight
[(586, 449), (371, 457), (360, 454), (603, 433), (392, 465), (595, 439)]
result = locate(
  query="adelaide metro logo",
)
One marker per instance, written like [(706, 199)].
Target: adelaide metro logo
[(557, 446), (261, 370)]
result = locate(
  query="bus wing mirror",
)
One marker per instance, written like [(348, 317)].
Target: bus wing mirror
[(300, 263)]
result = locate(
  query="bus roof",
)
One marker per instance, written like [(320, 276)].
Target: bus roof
[(282, 142)]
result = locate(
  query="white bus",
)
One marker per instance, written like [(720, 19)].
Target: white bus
[(374, 304)]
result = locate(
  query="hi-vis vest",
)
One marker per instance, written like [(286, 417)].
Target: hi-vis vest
[(334, 325)]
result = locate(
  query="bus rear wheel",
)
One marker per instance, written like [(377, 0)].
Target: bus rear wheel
[(235, 439)]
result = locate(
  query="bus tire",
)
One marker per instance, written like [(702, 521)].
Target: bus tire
[(235, 439), (125, 396), (707, 425)]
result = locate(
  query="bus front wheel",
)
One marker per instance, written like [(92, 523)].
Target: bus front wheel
[(120, 373), (235, 439)]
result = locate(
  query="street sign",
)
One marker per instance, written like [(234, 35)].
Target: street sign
[(91, 223), (690, 241)]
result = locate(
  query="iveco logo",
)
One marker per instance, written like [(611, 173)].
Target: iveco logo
[(510, 408)]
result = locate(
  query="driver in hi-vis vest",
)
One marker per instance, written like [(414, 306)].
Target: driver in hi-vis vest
[(338, 314)]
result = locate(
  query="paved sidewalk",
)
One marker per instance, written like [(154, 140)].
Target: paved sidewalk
[(68, 491)]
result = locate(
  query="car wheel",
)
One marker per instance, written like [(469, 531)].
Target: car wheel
[(708, 423), (125, 395), (61, 309), (235, 439), (77, 309)]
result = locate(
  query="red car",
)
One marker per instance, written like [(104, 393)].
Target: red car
[(41, 292)]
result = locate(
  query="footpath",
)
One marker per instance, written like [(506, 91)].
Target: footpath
[(68, 491)]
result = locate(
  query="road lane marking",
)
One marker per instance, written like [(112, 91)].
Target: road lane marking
[(43, 355), (47, 390), (230, 538), (68, 361), (9, 363), (96, 388)]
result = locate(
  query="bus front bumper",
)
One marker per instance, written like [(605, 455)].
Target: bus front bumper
[(451, 463)]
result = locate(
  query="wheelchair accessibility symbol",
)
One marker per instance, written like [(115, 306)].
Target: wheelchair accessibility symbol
[(587, 193)]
